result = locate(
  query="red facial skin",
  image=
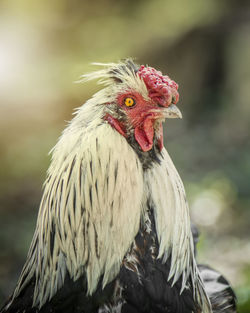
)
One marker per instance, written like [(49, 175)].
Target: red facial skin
[(115, 124), (162, 92), (142, 120)]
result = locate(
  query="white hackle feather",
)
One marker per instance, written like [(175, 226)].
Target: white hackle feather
[(95, 196), (168, 199)]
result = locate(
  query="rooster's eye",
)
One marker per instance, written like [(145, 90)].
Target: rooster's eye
[(129, 102)]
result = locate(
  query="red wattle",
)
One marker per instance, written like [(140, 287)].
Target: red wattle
[(144, 135)]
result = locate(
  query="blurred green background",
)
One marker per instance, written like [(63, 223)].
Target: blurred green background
[(204, 45)]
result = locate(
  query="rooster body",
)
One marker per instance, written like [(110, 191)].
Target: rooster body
[(113, 232)]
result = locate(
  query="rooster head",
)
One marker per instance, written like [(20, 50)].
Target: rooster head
[(137, 100)]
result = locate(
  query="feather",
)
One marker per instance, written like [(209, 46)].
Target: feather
[(87, 217), (173, 225), (113, 219)]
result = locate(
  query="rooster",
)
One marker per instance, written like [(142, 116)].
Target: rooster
[(113, 232)]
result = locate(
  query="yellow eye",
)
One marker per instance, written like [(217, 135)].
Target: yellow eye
[(129, 102)]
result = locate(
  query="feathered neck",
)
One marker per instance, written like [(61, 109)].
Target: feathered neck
[(172, 220)]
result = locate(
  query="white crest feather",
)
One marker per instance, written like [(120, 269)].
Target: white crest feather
[(113, 72)]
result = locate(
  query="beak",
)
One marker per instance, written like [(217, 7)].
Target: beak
[(171, 112), (167, 112)]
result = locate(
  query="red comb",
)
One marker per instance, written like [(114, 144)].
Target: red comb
[(161, 88)]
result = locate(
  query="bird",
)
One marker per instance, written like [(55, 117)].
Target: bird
[(219, 290), (113, 232)]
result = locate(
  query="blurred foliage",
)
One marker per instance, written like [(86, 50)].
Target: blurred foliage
[(204, 45)]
